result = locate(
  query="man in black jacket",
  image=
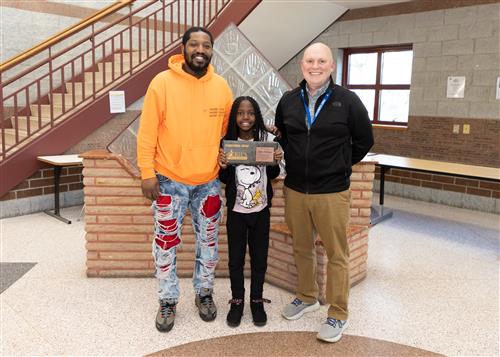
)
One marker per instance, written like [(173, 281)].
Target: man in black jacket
[(324, 129)]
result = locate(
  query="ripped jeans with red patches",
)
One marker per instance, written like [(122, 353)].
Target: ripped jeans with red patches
[(205, 204)]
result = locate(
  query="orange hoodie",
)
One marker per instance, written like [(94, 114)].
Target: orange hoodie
[(183, 119)]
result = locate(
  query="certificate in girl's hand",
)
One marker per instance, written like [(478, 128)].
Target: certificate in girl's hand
[(250, 152)]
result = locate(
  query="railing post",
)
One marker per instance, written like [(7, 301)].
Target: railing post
[(163, 25), (51, 88), (130, 36), (198, 9), (2, 117), (92, 39), (28, 121)]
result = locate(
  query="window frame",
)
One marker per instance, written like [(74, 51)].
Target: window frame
[(378, 86)]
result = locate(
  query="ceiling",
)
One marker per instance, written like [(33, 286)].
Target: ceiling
[(356, 4), (299, 21)]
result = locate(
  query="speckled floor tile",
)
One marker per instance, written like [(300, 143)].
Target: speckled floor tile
[(432, 283)]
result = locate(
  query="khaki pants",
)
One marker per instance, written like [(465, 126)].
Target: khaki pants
[(328, 215)]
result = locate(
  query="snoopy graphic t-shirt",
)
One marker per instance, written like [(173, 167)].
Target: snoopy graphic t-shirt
[(251, 185)]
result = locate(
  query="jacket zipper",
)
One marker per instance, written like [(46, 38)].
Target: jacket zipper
[(307, 158)]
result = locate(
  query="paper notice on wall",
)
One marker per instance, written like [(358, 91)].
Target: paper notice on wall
[(117, 101), (455, 87)]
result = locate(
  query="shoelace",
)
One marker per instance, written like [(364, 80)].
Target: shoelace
[(167, 309), (235, 301), (267, 301), (333, 322), (297, 302)]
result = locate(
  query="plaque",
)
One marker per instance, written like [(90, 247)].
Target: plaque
[(250, 152)]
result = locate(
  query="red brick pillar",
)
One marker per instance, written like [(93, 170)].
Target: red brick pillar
[(119, 222), (281, 266), (119, 226)]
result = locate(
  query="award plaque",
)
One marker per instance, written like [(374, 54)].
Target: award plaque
[(250, 152)]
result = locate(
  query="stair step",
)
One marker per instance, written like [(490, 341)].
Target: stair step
[(45, 110), (79, 88), (22, 122), (89, 77), (68, 99), (126, 57), (107, 66), (10, 136)]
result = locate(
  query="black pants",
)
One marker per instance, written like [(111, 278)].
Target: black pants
[(254, 228)]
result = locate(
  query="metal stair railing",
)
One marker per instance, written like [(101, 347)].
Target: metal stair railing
[(56, 79)]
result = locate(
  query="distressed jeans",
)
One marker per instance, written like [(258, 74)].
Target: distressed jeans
[(205, 204)]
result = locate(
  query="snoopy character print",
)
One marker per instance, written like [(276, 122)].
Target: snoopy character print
[(250, 188)]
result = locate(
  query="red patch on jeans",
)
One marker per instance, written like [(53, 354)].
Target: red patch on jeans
[(211, 206), (165, 268), (167, 243), (164, 200)]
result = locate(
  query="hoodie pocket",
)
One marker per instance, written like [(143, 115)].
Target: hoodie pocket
[(198, 162)]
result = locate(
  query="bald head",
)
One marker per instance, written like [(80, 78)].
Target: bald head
[(318, 49), (317, 65)]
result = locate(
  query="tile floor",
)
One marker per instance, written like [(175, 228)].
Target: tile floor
[(433, 283)]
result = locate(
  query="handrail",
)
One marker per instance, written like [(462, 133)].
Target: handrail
[(65, 34)]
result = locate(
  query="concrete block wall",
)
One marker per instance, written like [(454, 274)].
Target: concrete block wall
[(119, 225), (462, 41)]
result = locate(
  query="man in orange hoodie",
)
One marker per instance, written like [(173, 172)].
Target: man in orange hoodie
[(185, 114)]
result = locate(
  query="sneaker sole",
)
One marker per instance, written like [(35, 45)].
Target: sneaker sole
[(205, 317), (230, 324), (163, 329), (208, 318), (259, 324), (311, 308), (333, 339)]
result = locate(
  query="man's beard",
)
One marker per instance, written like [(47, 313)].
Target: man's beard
[(193, 67)]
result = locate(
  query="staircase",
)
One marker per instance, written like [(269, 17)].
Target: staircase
[(77, 92), (56, 94)]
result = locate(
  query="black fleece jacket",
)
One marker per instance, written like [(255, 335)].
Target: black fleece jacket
[(320, 159), (228, 177)]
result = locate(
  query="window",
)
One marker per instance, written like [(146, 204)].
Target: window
[(381, 77)]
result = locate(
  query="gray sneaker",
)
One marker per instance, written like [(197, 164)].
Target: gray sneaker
[(297, 308), (206, 305), (331, 330), (166, 315)]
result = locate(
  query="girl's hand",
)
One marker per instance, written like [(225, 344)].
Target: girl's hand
[(278, 155), (273, 130), (222, 158)]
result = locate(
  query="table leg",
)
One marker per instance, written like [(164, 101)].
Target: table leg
[(379, 216), (57, 179), (56, 214), (382, 184)]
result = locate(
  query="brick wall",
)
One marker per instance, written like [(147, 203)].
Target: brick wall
[(432, 138), (484, 188), (119, 224), (281, 270), (42, 183)]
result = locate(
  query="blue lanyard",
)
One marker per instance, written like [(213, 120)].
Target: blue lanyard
[(310, 121)]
